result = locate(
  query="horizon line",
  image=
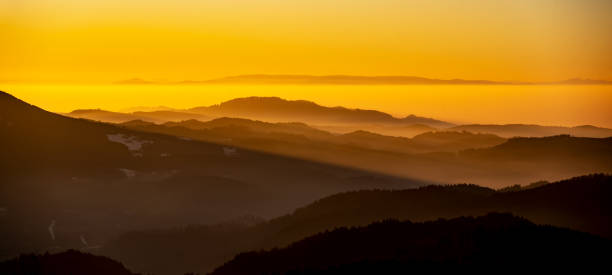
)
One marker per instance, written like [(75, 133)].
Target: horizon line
[(329, 79)]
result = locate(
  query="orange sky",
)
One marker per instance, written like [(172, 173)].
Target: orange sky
[(103, 41), (86, 44), (567, 105)]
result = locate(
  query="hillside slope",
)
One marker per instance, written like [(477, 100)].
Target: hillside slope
[(96, 180)]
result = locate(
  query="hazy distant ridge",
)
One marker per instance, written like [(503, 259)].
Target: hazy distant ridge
[(289, 79), (275, 108), (267, 109)]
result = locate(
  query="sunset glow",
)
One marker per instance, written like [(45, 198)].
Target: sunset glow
[(567, 105), (312, 137), (104, 41)]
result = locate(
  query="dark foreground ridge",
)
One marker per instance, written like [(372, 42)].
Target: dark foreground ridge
[(71, 262), (495, 243), (580, 203)]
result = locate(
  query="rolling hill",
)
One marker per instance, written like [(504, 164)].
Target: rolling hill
[(579, 203), (497, 243)]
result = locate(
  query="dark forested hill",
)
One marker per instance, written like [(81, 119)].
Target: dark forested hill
[(495, 243), (580, 203), (71, 262)]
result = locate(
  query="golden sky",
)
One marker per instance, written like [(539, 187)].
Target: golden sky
[(100, 41)]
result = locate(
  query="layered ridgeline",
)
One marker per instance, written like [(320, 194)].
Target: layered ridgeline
[(530, 130), (277, 109), (498, 243), (246, 132), (274, 109), (580, 203), (333, 119), (482, 159), (75, 183), (156, 116)]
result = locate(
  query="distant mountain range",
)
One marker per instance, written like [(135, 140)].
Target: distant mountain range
[(334, 119), (274, 109), (279, 79)]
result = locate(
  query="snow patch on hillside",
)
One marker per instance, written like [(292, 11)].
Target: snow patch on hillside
[(229, 151), (131, 142), (128, 173)]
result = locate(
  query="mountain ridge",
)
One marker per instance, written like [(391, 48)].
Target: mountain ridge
[(335, 119), (303, 79)]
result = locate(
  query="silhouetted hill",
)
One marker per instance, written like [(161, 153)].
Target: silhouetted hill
[(95, 180), (70, 262), (277, 109), (498, 243), (580, 203), (525, 130)]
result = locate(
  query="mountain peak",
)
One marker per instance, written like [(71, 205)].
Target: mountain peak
[(279, 109)]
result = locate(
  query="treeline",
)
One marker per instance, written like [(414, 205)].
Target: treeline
[(580, 203), (495, 243)]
